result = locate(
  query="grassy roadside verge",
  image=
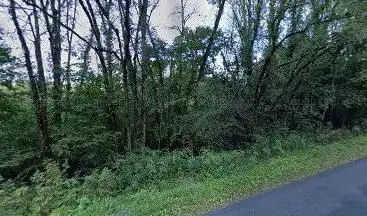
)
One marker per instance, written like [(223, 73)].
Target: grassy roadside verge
[(190, 197)]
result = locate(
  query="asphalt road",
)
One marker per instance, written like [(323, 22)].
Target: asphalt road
[(338, 192)]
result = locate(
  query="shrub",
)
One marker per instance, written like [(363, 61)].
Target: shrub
[(49, 188), (101, 183), (153, 167), (52, 193), (14, 199)]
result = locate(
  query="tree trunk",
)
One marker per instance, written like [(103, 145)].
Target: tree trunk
[(55, 42), (111, 122), (127, 75), (36, 88), (145, 68), (68, 64), (160, 92), (211, 41)]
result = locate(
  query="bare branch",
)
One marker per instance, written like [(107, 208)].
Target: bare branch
[(86, 41)]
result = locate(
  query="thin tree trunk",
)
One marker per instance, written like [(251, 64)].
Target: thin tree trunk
[(145, 67), (85, 64), (68, 64), (211, 41), (127, 74), (54, 32), (41, 83), (159, 96), (41, 112), (55, 42), (109, 108)]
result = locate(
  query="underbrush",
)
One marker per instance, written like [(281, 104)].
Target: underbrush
[(50, 192)]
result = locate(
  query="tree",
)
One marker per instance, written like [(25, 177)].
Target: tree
[(145, 70), (41, 112), (53, 27), (247, 18), (70, 21), (121, 88), (6, 76)]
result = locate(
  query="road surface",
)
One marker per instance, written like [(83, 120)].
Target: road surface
[(338, 192)]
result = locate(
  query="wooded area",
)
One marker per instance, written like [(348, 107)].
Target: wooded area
[(263, 68)]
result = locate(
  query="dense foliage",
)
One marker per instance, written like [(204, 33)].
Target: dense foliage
[(147, 183), (121, 109)]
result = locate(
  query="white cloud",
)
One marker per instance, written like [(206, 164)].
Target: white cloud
[(163, 17)]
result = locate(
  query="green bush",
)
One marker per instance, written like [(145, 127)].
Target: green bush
[(14, 199), (51, 192), (149, 167), (49, 188), (17, 131), (101, 183)]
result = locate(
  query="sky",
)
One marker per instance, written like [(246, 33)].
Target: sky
[(162, 19)]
